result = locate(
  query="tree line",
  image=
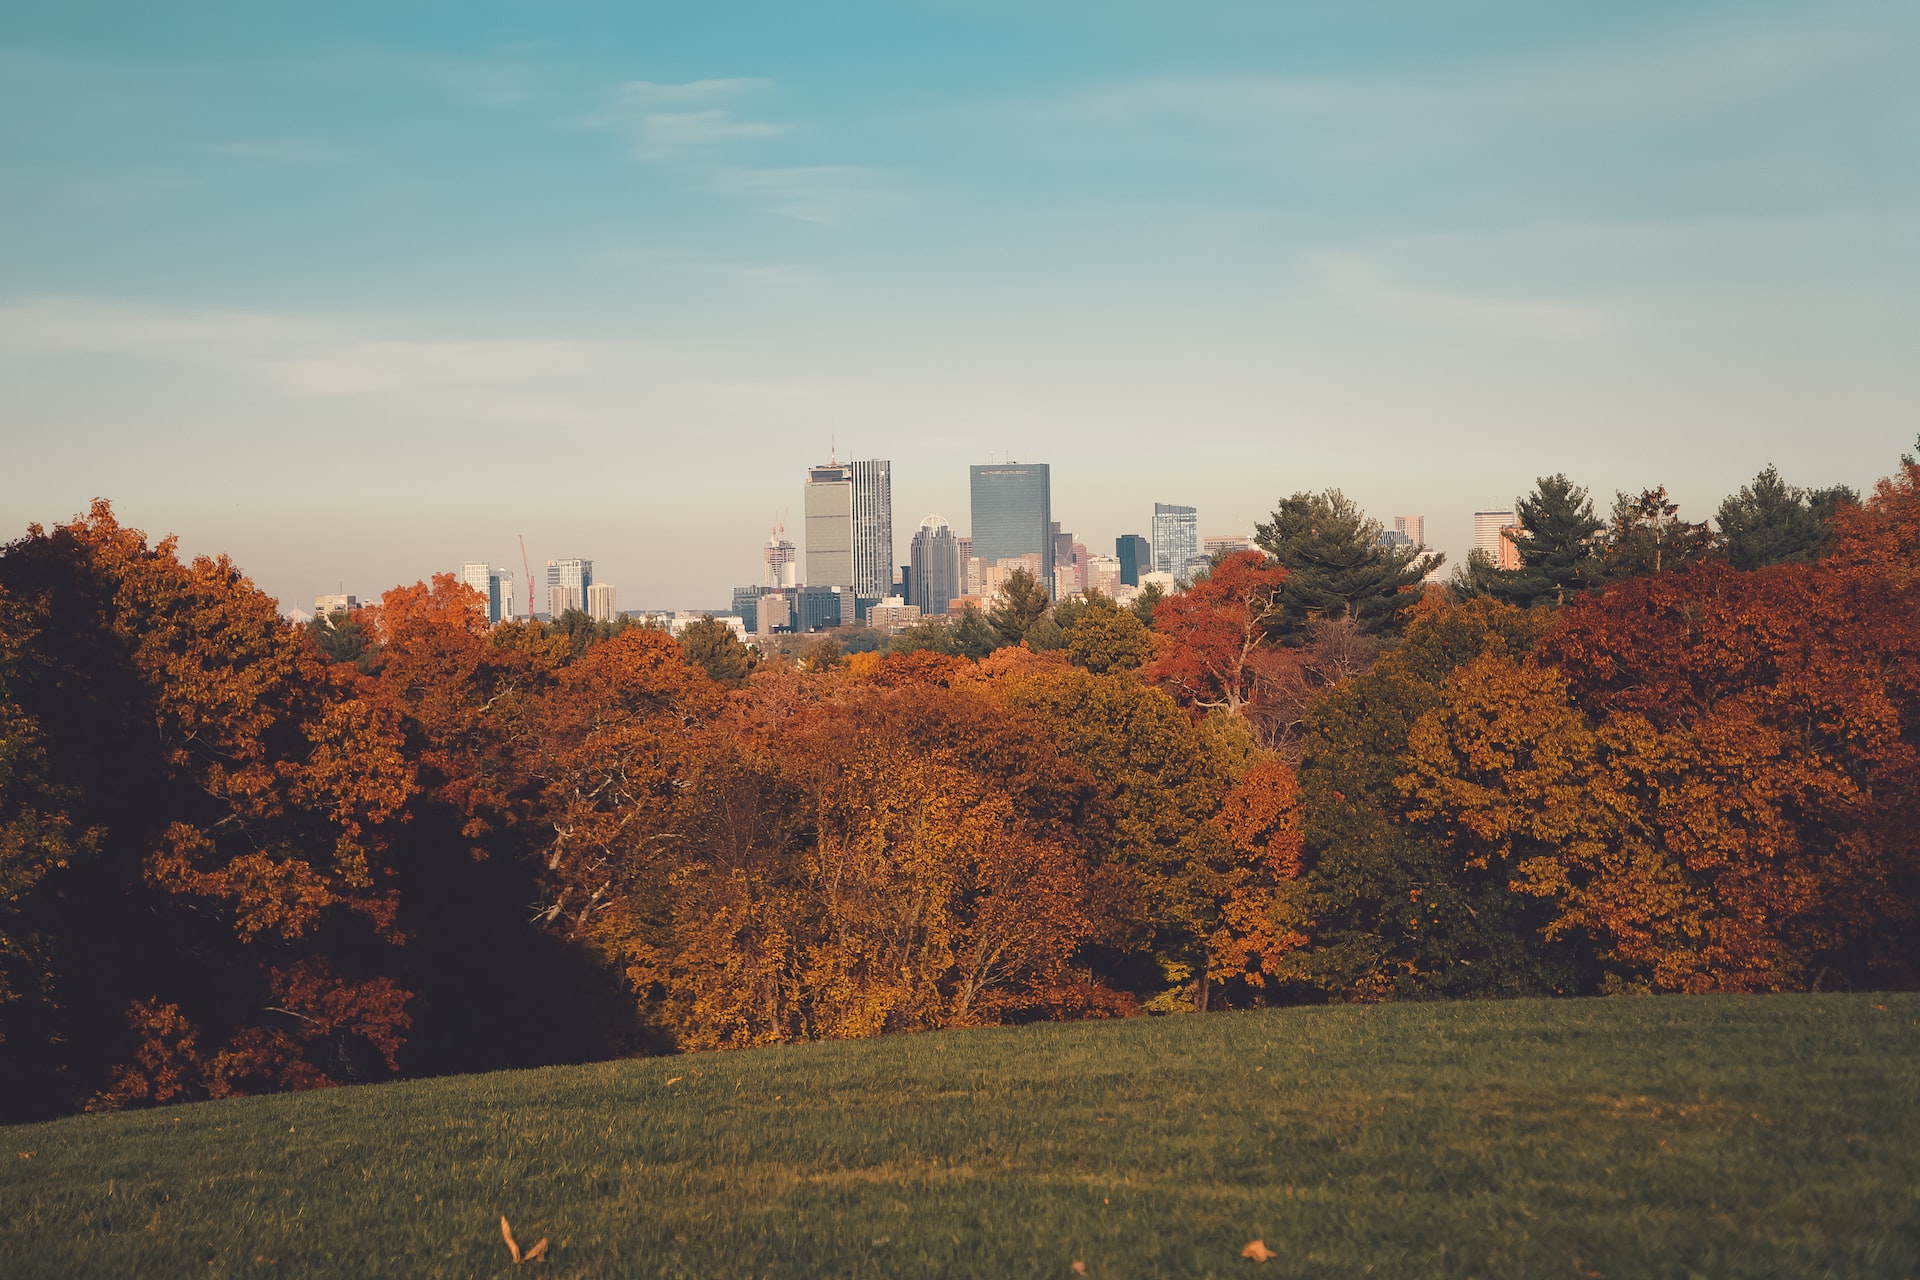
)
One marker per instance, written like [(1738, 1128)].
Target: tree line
[(239, 856)]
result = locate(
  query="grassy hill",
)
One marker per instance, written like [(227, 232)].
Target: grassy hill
[(1615, 1138)]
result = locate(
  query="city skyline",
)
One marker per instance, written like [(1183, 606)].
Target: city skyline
[(315, 290)]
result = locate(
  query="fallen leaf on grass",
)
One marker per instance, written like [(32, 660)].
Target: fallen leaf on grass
[(675, 1079), (1258, 1251), (506, 1233), (25, 1155), (1079, 1267)]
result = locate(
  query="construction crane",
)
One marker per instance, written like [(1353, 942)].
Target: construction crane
[(528, 570)]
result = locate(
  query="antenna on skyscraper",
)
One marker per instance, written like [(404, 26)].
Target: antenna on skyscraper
[(527, 569)]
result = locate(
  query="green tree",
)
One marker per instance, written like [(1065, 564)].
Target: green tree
[(1646, 535), (1106, 637), (1159, 783), (1397, 910), (342, 639), (1558, 549), (973, 636), (1477, 575), (1337, 565), (932, 634), (1021, 604), (1145, 601), (1772, 522), (711, 646)]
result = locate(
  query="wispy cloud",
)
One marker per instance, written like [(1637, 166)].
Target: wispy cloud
[(300, 356), (703, 127), (1364, 285), (681, 121), (1703, 69), (827, 194)]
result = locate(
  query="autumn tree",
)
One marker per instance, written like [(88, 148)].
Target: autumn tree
[(197, 809), (1216, 630), (1396, 909), (1763, 721)]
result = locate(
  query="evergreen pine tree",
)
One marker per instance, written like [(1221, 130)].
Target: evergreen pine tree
[(1337, 565), (1558, 551), (1022, 603), (1772, 522)]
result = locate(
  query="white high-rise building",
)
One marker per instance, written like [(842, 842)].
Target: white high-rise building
[(494, 585), (324, 607), (1103, 574), (600, 602), (1415, 527), (1487, 537), (872, 528), (571, 576)]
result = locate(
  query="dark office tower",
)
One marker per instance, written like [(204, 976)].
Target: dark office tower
[(1013, 514), (934, 576), (1136, 557), (873, 529), (1062, 548)]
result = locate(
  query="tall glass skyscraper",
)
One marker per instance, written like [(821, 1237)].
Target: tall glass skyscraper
[(1176, 538), (1135, 554), (1013, 513), (873, 529), (934, 575)]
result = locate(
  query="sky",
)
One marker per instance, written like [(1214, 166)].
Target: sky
[(358, 292)]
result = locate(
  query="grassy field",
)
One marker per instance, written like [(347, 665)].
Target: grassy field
[(1616, 1138)]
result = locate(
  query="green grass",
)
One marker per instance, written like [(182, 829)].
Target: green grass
[(1620, 1138)]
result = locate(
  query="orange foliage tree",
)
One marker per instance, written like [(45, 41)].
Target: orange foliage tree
[(1216, 633), (235, 800)]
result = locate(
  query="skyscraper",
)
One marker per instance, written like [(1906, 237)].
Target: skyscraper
[(1135, 555), (600, 602), (494, 585), (1176, 538), (1013, 513), (873, 529), (1415, 527), (934, 574), (829, 513), (1486, 532), (567, 583)]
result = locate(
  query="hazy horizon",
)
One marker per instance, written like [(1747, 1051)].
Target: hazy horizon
[(357, 295)]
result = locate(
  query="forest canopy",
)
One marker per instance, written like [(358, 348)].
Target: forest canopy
[(237, 855)]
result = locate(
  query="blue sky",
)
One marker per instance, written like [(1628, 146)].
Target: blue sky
[(357, 292)]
